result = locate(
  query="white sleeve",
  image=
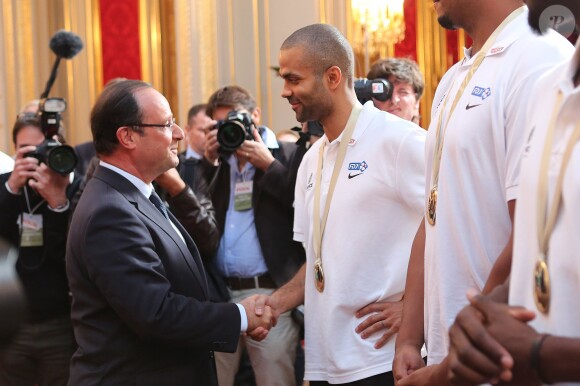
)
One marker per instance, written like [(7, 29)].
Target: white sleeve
[(243, 318), (299, 205), (540, 58), (410, 170)]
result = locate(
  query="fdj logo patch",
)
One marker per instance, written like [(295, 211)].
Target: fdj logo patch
[(355, 167), (481, 92)]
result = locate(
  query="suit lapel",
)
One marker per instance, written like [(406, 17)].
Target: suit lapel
[(143, 205), (148, 210), (192, 249)]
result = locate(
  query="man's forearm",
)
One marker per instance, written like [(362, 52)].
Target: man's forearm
[(502, 267), (411, 331), (291, 294)]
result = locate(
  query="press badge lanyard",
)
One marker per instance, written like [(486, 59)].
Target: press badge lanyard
[(546, 225), (31, 210), (31, 230), (432, 201), (320, 223)]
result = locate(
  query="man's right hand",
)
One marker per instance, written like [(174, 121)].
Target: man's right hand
[(475, 356), (211, 144), (24, 168), (258, 325), (407, 360)]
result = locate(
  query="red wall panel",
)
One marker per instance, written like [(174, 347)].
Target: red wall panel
[(120, 39)]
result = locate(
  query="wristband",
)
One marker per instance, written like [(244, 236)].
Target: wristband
[(535, 358)]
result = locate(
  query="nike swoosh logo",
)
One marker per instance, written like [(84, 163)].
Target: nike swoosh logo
[(471, 106), (350, 175)]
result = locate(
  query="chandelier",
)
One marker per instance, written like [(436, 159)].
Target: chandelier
[(377, 24)]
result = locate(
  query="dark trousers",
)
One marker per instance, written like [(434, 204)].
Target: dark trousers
[(384, 379), (38, 355)]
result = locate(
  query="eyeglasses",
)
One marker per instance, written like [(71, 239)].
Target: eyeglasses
[(168, 125)]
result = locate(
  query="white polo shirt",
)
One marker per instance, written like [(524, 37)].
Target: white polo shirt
[(375, 211), (479, 170), (563, 318), (6, 163)]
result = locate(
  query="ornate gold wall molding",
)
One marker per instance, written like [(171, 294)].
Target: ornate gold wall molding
[(150, 42), (431, 55)]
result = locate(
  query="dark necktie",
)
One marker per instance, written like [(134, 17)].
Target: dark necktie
[(154, 198)]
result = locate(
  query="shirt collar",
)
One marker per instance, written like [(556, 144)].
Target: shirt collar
[(144, 188), (190, 153), (511, 33)]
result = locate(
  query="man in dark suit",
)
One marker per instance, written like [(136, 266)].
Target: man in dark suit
[(252, 191), (140, 307)]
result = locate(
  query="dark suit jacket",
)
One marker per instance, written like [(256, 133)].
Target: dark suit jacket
[(272, 200), (140, 309), (194, 210), (85, 153)]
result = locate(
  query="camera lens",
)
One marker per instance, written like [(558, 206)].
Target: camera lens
[(231, 135), (62, 159)]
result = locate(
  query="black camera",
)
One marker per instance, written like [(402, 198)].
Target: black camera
[(379, 89), (234, 130), (60, 158)]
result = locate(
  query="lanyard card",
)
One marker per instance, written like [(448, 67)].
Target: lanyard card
[(31, 230), (243, 196)]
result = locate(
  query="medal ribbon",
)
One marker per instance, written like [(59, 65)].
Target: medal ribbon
[(546, 226), (320, 223), (475, 66)]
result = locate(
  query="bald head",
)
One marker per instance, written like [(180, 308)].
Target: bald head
[(324, 46)]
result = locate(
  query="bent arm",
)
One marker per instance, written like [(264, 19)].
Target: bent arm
[(502, 266), (411, 331)]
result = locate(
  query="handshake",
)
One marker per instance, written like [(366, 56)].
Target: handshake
[(262, 316)]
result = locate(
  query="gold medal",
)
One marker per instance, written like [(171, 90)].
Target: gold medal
[(542, 285), (432, 206), (318, 276)]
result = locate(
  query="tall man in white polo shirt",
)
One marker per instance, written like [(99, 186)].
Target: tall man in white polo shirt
[(364, 181), (473, 148), (549, 178)]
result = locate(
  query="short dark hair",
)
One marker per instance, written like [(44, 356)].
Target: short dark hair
[(404, 70), (231, 96), (115, 107), (196, 109), (324, 46), (23, 120), (32, 119)]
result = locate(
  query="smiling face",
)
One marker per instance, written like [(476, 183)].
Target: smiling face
[(303, 87), (156, 148)]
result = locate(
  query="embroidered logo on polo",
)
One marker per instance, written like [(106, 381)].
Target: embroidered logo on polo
[(479, 92), (356, 169)]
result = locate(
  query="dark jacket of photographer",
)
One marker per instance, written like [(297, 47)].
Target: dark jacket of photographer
[(40, 269), (272, 200), (194, 210)]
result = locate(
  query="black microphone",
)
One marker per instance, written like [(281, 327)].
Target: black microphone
[(64, 44)]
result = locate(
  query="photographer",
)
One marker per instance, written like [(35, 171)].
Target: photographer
[(34, 202), (408, 86), (252, 191)]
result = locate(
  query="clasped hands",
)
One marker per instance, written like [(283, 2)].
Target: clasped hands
[(261, 316)]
